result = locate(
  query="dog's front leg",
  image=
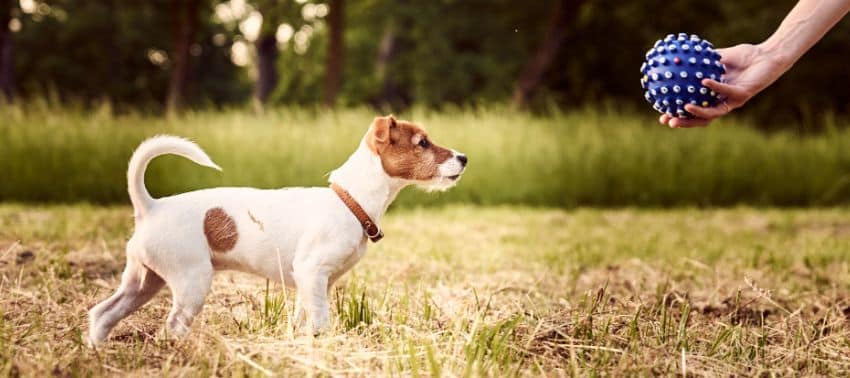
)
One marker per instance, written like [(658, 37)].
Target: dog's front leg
[(297, 319), (313, 299)]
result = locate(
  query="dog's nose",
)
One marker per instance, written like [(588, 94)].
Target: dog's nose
[(462, 159)]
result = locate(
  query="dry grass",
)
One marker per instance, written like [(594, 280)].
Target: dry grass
[(464, 291)]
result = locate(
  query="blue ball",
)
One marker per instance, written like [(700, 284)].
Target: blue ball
[(673, 70)]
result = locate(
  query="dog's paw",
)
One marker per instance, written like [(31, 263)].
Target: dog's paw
[(93, 339), (318, 326), (313, 332), (177, 331), (312, 327)]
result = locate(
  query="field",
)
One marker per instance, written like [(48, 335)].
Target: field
[(587, 158), (589, 243), (500, 290)]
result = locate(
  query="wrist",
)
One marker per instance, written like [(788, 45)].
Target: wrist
[(776, 55)]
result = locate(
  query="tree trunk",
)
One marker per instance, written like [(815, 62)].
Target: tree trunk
[(184, 28), (386, 52), (333, 75), (7, 71), (266, 46), (563, 14), (115, 68)]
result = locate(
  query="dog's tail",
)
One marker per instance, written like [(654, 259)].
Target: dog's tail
[(147, 151)]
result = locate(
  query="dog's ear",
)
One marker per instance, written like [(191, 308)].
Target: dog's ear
[(380, 133)]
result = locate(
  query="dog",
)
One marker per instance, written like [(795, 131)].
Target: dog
[(305, 238)]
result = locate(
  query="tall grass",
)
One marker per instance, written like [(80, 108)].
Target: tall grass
[(597, 158)]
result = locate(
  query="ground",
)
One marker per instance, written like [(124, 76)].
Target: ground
[(463, 290)]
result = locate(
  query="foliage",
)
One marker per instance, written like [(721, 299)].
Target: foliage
[(100, 52), (447, 53)]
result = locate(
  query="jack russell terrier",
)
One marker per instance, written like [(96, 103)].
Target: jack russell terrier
[(305, 237)]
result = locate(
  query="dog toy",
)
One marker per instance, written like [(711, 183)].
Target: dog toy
[(673, 70)]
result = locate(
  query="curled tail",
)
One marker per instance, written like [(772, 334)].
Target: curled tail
[(147, 151)]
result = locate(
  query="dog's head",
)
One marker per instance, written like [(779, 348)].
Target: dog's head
[(408, 153)]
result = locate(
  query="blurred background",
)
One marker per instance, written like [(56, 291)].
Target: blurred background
[(166, 55), (88, 80)]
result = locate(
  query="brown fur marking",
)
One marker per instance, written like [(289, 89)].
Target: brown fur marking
[(220, 230), (257, 221), (393, 140)]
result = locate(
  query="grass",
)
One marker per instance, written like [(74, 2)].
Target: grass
[(499, 291), (583, 158)]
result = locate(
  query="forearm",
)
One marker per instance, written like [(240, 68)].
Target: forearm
[(804, 26)]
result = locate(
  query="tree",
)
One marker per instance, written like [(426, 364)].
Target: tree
[(267, 77), (6, 50), (387, 50), (563, 14), (333, 75), (184, 28), (274, 12)]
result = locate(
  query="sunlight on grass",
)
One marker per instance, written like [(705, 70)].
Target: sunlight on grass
[(484, 291)]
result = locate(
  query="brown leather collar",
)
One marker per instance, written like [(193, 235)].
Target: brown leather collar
[(372, 231)]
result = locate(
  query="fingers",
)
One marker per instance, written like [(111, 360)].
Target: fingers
[(703, 116), (729, 91), (734, 95), (688, 122), (709, 113), (675, 122)]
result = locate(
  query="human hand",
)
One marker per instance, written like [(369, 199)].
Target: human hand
[(749, 70)]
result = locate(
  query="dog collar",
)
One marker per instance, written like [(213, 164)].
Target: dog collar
[(372, 231)]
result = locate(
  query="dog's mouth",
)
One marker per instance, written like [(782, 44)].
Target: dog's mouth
[(440, 182)]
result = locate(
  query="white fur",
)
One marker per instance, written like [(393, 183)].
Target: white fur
[(305, 237)]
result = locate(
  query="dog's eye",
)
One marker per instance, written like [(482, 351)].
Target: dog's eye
[(424, 143)]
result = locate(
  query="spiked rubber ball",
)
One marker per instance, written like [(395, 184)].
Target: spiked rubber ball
[(673, 70)]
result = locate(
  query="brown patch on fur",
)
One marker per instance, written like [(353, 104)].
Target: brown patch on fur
[(220, 230), (396, 141)]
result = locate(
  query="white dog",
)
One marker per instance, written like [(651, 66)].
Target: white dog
[(306, 237)]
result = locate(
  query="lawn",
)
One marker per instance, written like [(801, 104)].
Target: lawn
[(463, 290)]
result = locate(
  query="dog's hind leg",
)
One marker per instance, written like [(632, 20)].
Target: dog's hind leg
[(189, 290), (138, 285)]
